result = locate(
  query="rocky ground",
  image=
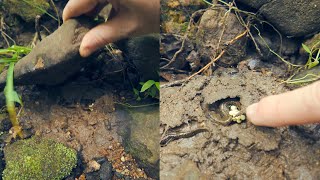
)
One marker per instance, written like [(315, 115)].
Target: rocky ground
[(81, 104), (215, 54)]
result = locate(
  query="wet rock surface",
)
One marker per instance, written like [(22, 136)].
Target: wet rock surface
[(141, 138), (293, 18), (229, 150), (55, 58)]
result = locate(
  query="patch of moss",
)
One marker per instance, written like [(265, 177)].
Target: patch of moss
[(27, 9), (37, 158)]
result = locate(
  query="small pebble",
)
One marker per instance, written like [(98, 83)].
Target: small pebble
[(123, 159), (93, 166)]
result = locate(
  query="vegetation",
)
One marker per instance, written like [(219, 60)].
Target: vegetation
[(37, 158), (8, 57), (312, 60), (312, 49), (149, 88)]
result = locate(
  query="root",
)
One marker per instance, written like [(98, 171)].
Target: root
[(184, 38)]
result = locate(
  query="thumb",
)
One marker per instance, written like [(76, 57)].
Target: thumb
[(113, 30), (300, 106)]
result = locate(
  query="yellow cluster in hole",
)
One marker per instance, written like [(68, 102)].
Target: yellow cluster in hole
[(236, 114)]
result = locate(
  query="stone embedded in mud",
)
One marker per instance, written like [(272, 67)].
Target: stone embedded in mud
[(38, 158), (215, 30), (293, 18), (142, 139), (27, 9), (55, 58)]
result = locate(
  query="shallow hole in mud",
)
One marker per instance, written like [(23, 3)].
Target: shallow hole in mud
[(221, 108)]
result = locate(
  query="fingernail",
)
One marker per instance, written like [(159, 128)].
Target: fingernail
[(84, 52), (251, 111)]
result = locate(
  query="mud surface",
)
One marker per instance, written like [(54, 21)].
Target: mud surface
[(85, 118), (197, 146)]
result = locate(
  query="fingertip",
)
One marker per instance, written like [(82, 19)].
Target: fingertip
[(251, 112), (84, 51), (66, 13)]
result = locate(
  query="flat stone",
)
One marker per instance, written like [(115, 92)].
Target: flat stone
[(55, 58)]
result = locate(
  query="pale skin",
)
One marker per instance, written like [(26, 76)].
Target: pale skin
[(300, 106), (137, 17), (131, 18)]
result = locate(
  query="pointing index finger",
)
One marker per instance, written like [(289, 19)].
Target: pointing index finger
[(295, 107)]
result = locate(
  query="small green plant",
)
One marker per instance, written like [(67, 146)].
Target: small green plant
[(41, 9), (8, 57), (314, 50), (149, 88)]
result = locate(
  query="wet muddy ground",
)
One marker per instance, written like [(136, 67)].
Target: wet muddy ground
[(198, 146), (87, 119), (84, 104), (233, 58)]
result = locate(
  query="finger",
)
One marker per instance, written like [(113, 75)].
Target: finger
[(300, 106), (96, 10), (113, 30), (76, 8)]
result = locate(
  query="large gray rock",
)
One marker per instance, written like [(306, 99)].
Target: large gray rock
[(292, 18), (55, 58)]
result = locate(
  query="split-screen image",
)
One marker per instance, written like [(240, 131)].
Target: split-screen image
[(159, 89)]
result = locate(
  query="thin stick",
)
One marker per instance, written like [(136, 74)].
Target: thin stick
[(208, 65), (220, 55)]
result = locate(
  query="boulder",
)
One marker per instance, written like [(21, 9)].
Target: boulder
[(292, 18)]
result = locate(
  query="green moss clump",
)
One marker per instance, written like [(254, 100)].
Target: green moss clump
[(37, 158), (27, 9)]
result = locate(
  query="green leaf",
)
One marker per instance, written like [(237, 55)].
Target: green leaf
[(152, 92), (135, 91), (147, 85), (157, 85), (306, 48), (16, 97)]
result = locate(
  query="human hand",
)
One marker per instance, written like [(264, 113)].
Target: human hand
[(300, 106), (132, 18)]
